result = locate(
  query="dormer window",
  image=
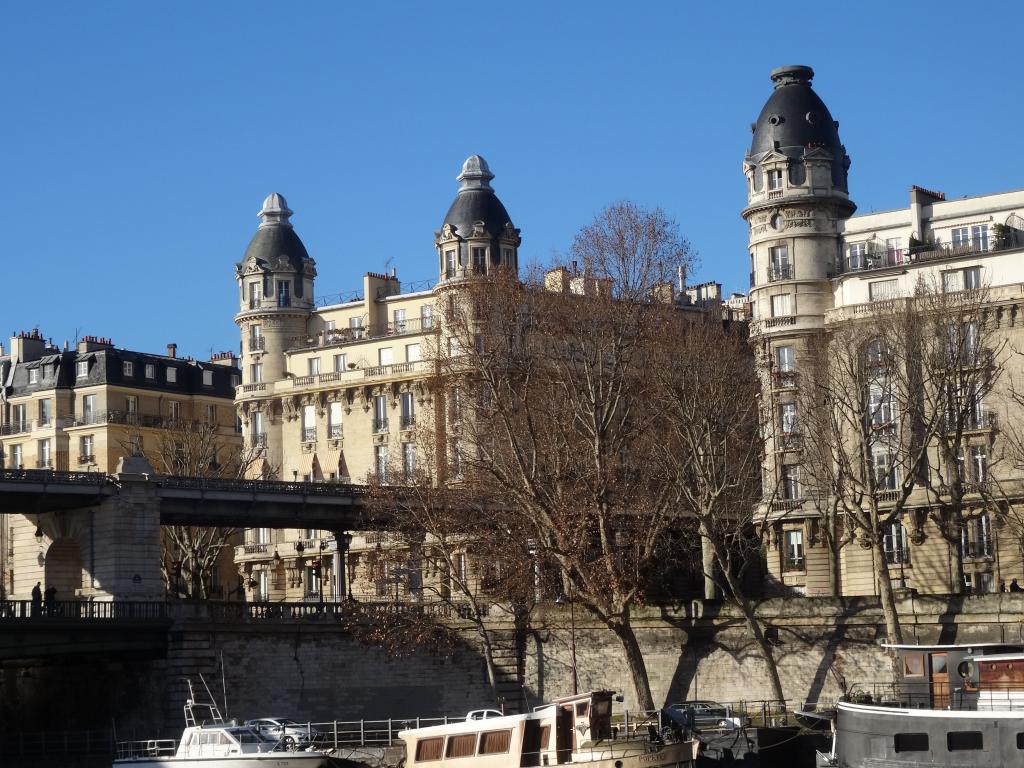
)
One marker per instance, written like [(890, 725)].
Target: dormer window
[(479, 261), (127, 368), (775, 179), (82, 369), (284, 293), (506, 257), (172, 375), (33, 375), (450, 263)]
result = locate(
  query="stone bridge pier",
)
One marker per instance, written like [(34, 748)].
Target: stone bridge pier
[(100, 546)]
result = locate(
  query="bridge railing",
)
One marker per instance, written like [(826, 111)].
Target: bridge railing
[(82, 609), (261, 486), (53, 476)]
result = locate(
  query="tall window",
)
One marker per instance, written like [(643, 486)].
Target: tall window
[(780, 267), (256, 373), (385, 356), (128, 368), (893, 251), (85, 448), (887, 474), (43, 453), (781, 305), (856, 256), (978, 456), (775, 179), (256, 342), (89, 409), (355, 326), (409, 460), (33, 375), (340, 363), (793, 550), (427, 316), (399, 321), (82, 369), (380, 414), (17, 458), (131, 407), (174, 410), (455, 458), (791, 489), (284, 293), (451, 262), (254, 295), (45, 412), (334, 420), (961, 237), (211, 414), (408, 403), (787, 418), (19, 417), (412, 353), (979, 236), (968, 279), (308, 423), (380, 462), (479, 261), (257, 427), (881, 405), (894, 542), (976, 537), (313, 365)]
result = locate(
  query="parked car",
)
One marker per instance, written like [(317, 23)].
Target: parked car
[(290, 732), (483, 714), (709, 715)]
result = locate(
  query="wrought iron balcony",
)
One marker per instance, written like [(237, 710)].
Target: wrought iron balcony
[(408, 421), (793, 563), (979, 548), (380, 425), (309, 434), (780, 272), (334, 431), (257, 344)]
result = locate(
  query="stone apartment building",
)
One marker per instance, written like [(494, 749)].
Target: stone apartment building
[(344, 392), (81, 410), (816, 266)]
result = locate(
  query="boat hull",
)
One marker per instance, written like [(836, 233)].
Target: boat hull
[(682, 753), (264, 760), (888, 737)]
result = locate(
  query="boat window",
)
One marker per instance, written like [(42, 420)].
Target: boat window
[(910, 742), (582, 707), (545, 736), (429, 749), (495, 742), (913, 665), (1020, 741), (964, 740), (246, 736), (463, 745)]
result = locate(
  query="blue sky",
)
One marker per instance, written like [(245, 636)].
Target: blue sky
[(140, 138)]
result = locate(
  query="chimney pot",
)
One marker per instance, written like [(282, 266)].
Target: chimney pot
[(172, 350)]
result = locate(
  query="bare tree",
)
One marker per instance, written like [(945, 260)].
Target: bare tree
[(190, 554), (886, 402), (712, 448), (559, 416)]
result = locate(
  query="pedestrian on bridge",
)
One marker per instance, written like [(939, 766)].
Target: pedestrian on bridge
[(51, 601), (37, 599)]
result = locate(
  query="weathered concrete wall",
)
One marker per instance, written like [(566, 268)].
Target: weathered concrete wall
[(315, 670)]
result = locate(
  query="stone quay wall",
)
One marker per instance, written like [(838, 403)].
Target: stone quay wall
[(314, 670)]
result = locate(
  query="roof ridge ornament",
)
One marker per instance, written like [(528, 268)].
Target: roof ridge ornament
[(792, 74), (275, 211), (476, 174)]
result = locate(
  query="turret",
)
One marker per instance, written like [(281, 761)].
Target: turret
[(275, 281), (797, 196), (477, 236)]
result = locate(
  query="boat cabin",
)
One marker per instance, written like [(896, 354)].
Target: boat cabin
[(550, 735), (958, 676)]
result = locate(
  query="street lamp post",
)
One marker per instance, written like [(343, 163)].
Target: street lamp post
[(339, 565), (572, 637)]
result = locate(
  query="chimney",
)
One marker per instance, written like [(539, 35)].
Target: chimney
[(172, 350)]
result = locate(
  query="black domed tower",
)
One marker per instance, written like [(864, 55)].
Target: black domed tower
[(477, 236), (797, 195), (275, 281)]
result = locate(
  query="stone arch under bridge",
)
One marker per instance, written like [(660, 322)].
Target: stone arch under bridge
[(62, 568)]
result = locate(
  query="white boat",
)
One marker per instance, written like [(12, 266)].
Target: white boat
[(209, 742), (573, 730)]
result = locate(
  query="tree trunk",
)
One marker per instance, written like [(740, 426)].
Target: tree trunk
[(635, 661), (885, 594), (707, 557), (488, 648)]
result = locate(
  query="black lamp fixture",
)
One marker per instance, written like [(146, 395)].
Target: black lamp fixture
[(39, 533), (277, 557), (344, 540), (299, 547)]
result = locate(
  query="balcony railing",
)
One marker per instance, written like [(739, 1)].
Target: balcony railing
[(258, 441), (334, 431), (784, 379), (309, 434), (362, 333), (926, 252), (786, 505), (408, 421), (257, 344), (972, 422), (780, 272), (793, 563), (380, 425)]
